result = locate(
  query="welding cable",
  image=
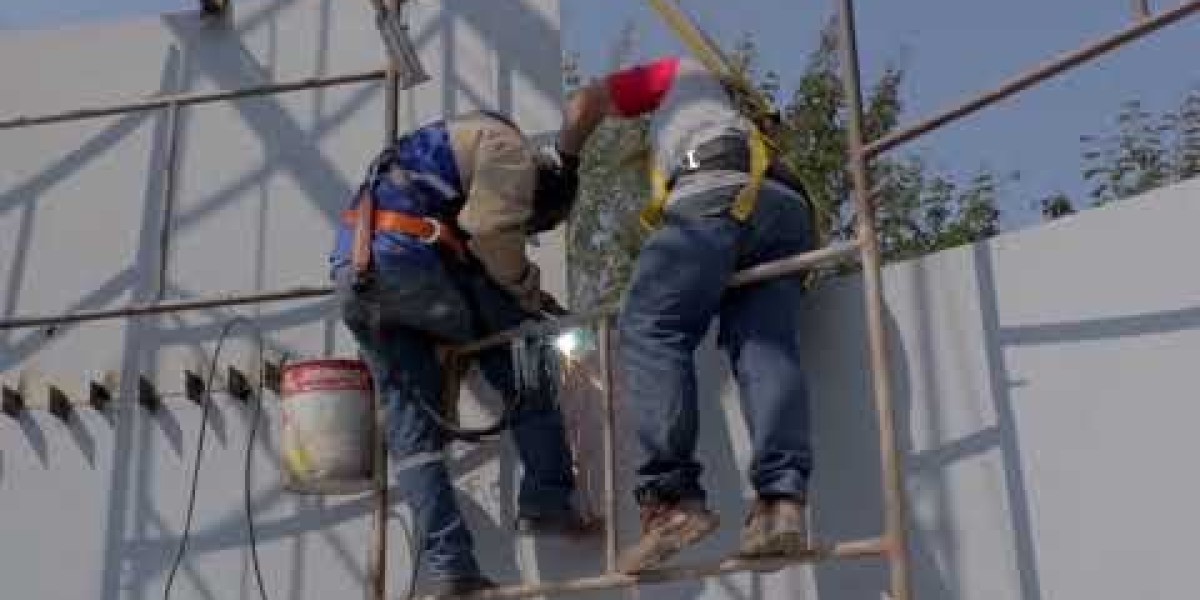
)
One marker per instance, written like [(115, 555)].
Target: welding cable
[(529, 368), (199, 454)]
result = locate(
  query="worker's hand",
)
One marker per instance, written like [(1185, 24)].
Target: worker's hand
[(557, 187), (549, 305), (554, 158)]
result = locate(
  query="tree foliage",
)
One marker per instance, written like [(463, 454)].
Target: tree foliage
[(1146, 151)]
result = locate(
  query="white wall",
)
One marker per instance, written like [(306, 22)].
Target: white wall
[(259, 183), (1045, 380), (1046, 391)]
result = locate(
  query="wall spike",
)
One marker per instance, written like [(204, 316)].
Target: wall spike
[(99, 396), (193, 386), (13, 401), (273, 376), (147, 395), (58, 403), (239, 385)]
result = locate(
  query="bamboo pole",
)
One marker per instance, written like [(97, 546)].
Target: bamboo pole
[(892, 481)]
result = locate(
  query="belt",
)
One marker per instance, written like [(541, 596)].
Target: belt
[(727, 153), (425, 229)]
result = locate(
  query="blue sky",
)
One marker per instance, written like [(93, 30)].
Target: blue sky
[(950, 48)]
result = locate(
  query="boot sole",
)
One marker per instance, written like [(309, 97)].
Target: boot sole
[(665, 548), (782, 545)]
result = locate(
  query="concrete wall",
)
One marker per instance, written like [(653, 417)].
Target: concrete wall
[(258, 185), (1045, 380)]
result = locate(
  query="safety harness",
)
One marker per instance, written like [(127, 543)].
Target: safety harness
[(412, 188), (766, 158)]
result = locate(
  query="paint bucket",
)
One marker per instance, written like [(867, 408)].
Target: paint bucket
[(328, 424)]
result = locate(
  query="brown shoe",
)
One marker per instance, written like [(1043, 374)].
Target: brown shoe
[(775, 527), (667, 529), (568, 524)]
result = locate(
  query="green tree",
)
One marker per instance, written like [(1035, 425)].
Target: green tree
[(1146, 151)]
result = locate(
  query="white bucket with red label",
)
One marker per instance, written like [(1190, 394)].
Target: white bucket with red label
[(327, 426)]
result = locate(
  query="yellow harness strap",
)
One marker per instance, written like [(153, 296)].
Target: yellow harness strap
[(760, 156)]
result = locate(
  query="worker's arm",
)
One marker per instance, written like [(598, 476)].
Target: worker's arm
[(499, 204), (627, 93), (585, 110)]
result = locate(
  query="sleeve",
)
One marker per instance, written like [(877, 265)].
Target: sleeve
[(639, 90), (499, 203)]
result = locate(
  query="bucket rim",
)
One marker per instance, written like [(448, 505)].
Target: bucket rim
[(347, 363)]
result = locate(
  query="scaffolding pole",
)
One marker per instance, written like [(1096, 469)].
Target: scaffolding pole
[(157, 102), (1032, 77), (895, 529), (850, 549), (783, 266), (892, 544)]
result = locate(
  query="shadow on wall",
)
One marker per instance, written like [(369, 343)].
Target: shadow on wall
[(847, 495)]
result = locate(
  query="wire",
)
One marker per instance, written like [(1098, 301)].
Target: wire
[(528, 365), (199, 454)]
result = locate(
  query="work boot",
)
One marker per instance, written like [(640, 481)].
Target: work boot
[(567, 523), (775, 527), (667, 529), (460, 586)]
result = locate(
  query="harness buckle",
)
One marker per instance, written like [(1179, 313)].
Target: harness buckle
[(432, 238)]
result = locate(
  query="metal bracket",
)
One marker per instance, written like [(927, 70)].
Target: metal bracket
[(99, 396), (13, 401), (58, 403), (214, 7), (193, 386), (273, 376), (239, 385), (147, 395)]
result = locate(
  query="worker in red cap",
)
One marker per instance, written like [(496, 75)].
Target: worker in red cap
[(719, 207)]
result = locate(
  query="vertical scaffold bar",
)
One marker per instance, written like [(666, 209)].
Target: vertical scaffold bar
[(610, 449), (379, 521), (893, 485)]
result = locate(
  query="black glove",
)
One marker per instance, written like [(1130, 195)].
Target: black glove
[(549, 304), (557, 188)]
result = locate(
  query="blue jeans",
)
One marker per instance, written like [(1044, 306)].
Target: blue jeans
[(678, 286), (396, 323)]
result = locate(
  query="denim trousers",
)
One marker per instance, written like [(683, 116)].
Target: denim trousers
[(678, 287), (397, 322)]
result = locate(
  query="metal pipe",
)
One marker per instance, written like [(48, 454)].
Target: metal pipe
[(794, 264), (609, 426), (783, 266), (1027, 80), (155, 308), (194, 98), (377, 563), (768, 270), (895, 532), (377, 558), (850, 549)]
